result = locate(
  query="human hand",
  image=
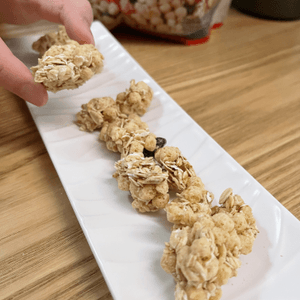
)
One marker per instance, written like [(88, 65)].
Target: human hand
[(76, 16)]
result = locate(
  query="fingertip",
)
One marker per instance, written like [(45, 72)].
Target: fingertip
[(89, 40), (35, 93), (43, 99), (92, 40), (83, 35), (78, 18)]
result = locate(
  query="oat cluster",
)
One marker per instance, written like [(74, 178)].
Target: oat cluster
[(242, 216), (199, 264), (145, 180), (127, 135), (179, 169), (119, 122), (136, 99), (206, 241), (66, 64), (204, 249), (190, 205), (97, 111)]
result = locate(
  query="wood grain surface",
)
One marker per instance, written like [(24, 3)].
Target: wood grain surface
[(242, 87)]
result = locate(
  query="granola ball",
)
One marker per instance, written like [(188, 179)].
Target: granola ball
[(95, 112), (179, 169), (52, 38), (67, 66), (191, 204), (136, 99), (243, 220), (145, 180), (127, 135), (200, 260)]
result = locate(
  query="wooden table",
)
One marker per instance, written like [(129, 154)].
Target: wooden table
[(242, 87)]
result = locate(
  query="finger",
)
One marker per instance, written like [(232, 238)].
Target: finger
[(76, 16), (15, 77), (19, 11)]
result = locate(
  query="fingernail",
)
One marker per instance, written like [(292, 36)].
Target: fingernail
[(90, 40), (93, 40)]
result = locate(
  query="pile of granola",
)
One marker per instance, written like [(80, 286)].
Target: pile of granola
[(206, 242), (65, 64)]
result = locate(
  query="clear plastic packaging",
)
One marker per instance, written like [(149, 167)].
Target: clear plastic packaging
[(186, 21)]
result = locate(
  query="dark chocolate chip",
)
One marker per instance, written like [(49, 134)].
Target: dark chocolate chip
[(148, 153), (133, 1), (160, 142)]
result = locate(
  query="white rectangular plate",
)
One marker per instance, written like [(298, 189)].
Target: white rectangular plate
[(128, 245)]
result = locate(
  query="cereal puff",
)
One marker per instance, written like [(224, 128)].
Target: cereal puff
[(145, 180), (67, 66), (179, 169)]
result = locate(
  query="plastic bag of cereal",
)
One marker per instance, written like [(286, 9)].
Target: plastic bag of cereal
[(107, 11), (186, 21)]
